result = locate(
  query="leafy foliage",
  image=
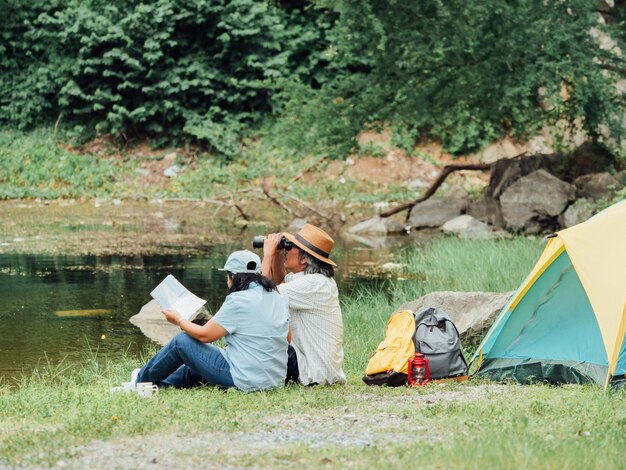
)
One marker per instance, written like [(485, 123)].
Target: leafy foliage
[(465, 73), (203, 70), (469, 72)]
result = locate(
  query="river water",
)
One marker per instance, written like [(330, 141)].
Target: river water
[(60, 310)]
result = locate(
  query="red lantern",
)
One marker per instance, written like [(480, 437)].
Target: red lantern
[(419, 372)]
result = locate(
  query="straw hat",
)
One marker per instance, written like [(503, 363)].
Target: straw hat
[(314, 241)]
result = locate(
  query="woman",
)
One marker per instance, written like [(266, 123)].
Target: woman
[(253, 319)]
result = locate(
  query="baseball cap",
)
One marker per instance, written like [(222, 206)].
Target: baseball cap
[(243, 261)]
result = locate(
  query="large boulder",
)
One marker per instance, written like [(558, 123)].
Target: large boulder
[(576, 213), (597, 185), (471, 312), (436, 211), (466, 226), (378, 226), (587, 158), (486, 209), (505, 172), (534, 202)]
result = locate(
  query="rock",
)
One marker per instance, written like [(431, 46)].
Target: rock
[(172, 171), (468, 227), (576, 213), (597, 185), (506, 172), (392, 266), (170, 158), (471, 312), (534, 202), (486, 209), (375, 241), (435, 212), (152, 323), (296, 225), (378, 225)]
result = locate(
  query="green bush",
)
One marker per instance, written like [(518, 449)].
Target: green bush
[(202, 71)]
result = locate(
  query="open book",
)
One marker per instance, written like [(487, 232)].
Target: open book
[(172, 295)]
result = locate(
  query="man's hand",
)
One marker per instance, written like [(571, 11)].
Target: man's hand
[(272, 265), (270, 246)]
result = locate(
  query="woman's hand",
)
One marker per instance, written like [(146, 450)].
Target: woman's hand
[(172, 316), (206, 333)]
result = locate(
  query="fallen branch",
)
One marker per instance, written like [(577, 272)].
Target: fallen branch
[(438, 182), (274, 200), (308, 206), (232, 203), (245, 216), (266, 190)]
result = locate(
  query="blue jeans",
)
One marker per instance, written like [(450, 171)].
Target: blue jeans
[(186, 362)]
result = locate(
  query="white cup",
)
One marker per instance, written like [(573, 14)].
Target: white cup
[(128, 387), (146, 389)]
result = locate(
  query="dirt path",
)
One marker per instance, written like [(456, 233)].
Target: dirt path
[(374, 421)]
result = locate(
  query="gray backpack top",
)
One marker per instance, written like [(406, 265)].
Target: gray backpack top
[(438, 339)]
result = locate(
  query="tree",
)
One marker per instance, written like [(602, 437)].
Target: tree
[(467, 72)]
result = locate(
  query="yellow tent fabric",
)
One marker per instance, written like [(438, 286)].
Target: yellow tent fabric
[(597, 249)]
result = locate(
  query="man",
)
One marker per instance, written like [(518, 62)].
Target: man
[(316, 326)]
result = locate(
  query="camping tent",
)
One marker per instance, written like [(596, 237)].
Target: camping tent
[(567, 321)]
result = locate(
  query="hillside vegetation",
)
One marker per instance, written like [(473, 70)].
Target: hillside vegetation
[(305, 78)]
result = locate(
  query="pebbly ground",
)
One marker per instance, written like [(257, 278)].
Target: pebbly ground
[(376, 424)]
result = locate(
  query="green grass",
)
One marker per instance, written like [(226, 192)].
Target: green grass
[(459, 264), (47, 417), (38, 164)]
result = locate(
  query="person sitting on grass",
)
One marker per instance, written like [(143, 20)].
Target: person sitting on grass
[(254, 321), (316, 325)]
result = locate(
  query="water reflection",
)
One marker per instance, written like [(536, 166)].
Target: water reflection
[(58, 308)]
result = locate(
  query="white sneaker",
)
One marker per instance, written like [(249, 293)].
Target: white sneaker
[(134, 375)]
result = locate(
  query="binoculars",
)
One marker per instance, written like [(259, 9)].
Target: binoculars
[(259, 241)]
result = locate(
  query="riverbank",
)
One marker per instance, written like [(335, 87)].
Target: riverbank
[(122, 227), (182, 192), (65, 417)]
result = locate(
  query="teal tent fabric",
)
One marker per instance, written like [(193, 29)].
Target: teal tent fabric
[(552, 334), (621, 362), (554, 320)]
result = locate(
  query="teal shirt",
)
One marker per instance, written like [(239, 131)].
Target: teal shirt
[(257, 322)]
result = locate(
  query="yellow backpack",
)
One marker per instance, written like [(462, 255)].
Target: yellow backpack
[(389, 363)]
